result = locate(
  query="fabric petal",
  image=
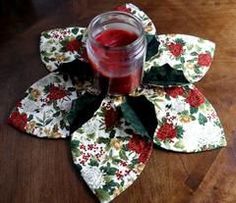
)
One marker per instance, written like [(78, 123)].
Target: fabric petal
[(60, 45), (43, 110), (148, 25), (190, 54), (63, 45), (164, 76), (108, 153), (187, 122)]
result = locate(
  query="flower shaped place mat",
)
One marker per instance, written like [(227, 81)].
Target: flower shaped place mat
[(112, 137)]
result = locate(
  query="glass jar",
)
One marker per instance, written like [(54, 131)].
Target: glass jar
[(116, 48)]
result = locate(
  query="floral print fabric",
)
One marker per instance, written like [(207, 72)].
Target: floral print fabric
[(42, 112), (148, 25), (108, 152), (187, 122), (190, 54), (60, 45), (106, 149)]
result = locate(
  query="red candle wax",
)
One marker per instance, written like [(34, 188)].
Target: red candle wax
[(115, 76), (116, 38)]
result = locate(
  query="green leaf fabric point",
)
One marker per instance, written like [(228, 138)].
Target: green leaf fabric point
[(152, 46), (202, 119), (164, 75)]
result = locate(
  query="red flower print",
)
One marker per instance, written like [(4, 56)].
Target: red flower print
[(195, 98), (73, 45), (123, 8), (18, 120), (136, 144), (204, 59), (174, 91), (140, 146), (56, 93), (176, 49), (166, 131), (112, 117), (143, 157)]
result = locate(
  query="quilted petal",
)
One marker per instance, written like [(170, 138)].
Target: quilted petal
[(190, 54), (108, 153), (187, 122), (60, 45), (148, 25), (43, 110)]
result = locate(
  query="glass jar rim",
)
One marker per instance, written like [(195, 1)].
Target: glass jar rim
[(118, 48)]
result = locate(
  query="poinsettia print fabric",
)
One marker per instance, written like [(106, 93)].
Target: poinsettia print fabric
[(106, 149), (190, 54), (43, 110), (187, 122), (148, 25), (63, 45), (60, 45), (108, 152)]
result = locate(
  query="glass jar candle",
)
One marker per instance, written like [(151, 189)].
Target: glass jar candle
[(116, 48)]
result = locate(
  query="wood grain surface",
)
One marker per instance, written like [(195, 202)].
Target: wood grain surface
[(36, 170)]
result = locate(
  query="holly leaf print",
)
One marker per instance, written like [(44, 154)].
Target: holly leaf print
[(103, 140), (30, 117), (46, 35), (180, 41), (194, 53), (193, 110), (202, 119), (74, 144), (182, 60), (123, 155), (180, 131), (197, 70), (102, 194), (179, 144), (75, 31), (46, 59), (109, 170), (93, 162)]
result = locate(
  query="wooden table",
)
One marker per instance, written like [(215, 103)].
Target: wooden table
[(41, 171)]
